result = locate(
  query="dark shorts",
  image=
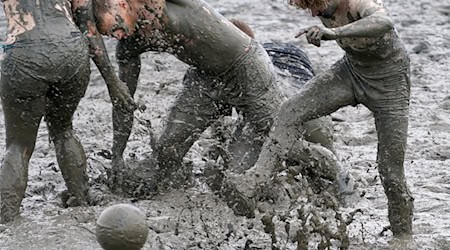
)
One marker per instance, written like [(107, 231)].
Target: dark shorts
[(384, 88), (30, 69)]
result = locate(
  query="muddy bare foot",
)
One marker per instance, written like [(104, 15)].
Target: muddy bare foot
[(69, 200)]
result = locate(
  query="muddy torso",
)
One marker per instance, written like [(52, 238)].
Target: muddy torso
[(38, 20), (198, 35), (367, 50)]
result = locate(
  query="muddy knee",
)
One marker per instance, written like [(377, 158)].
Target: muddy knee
[(320, 131)]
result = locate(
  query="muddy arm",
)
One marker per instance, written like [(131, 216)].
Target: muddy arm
[(129, 69), (84, 18), (375, 22)]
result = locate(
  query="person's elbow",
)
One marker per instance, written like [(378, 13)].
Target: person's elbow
[(384, 22), (388, 24)]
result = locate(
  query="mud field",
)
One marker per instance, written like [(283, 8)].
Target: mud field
[(197, 219)]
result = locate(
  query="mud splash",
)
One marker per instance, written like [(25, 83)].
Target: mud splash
[(195, 218)]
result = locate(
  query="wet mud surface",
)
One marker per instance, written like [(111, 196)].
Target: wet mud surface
[(195, 218)]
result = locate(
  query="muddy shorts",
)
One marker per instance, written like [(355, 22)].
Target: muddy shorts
[(383, 88), (248, 85), (29, 69)]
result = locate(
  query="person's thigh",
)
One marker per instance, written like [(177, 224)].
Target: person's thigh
[(386, 93), (320, 96), (23, 99), (64, 97), (251, 86), (193, 111)]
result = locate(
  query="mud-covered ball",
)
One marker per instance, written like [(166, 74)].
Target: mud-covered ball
[(122, 227)]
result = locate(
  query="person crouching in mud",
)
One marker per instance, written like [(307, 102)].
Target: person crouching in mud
[(228, 69), (375, 72), (45, 72)]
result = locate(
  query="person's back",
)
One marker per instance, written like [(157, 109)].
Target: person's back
[(213, 51), (189, 29), (36, 20), (43, 37)]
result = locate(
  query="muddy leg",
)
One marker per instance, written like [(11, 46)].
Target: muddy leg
[(243, 151), (175, 141), (22, 118), (72, 162), (129, 70), (191, 114), (320, 131), (392, 134), (321, 96), (62, 103)]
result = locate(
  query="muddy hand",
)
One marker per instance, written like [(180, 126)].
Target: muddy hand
[(315, 34), (121, 97)]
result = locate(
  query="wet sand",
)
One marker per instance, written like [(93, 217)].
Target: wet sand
[(197, 219)]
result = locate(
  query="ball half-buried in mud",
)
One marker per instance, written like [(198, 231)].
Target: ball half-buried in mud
[(121, 227)]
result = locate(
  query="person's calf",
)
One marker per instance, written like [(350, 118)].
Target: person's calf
[(13, 182), (171, 171), (9, 207), (72, 162), (400, 209)]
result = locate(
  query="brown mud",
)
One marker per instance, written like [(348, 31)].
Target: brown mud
[(197, 219)]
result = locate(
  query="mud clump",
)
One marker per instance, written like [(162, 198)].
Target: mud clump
[(299, 212)]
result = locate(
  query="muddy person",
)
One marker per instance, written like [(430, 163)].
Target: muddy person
[(45, 72), (375, 72), (228, 69)]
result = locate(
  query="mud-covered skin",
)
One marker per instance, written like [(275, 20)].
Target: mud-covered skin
[(249, 86), (183, 28), (191, 30), (83, 12), (45, 72), (213, 46), (374, 72)]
